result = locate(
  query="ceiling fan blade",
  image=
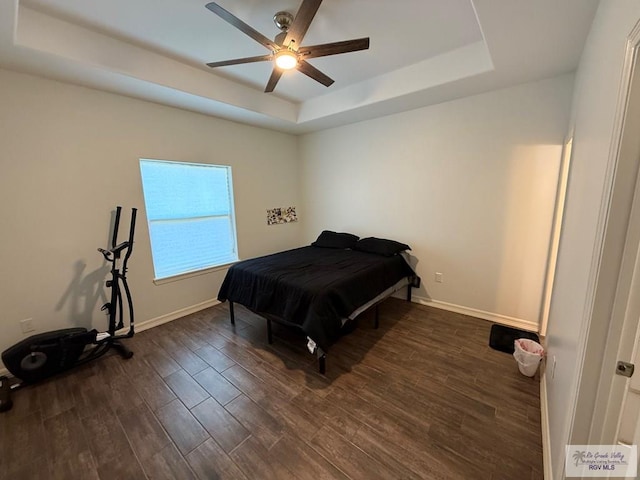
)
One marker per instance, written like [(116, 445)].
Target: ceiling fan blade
[(301, 23), (237, 61), (273, 80), (312, 72), (243, 27), (334, 48)]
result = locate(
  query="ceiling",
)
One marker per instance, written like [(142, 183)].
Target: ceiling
[(422, 52)]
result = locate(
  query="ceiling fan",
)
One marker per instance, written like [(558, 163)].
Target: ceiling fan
[(286, 50)]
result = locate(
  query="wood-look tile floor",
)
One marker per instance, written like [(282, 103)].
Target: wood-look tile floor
[(423, 396)]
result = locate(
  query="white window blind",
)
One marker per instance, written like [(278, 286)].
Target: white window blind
[(190, 216)]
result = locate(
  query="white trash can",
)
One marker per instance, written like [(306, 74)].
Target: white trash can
[(528, 354)]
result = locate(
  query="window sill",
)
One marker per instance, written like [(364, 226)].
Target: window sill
[(195, 273)]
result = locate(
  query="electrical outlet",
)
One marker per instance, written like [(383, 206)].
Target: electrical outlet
[(438, 277), (27, 325)]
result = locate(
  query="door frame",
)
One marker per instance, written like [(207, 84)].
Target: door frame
[(554, 244)]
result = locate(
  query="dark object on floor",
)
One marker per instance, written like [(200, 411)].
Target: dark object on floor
[(502, 337), (5, 394)]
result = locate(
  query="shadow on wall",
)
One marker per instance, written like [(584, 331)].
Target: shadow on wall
[(83, 295), (421, 291), (86, 290)]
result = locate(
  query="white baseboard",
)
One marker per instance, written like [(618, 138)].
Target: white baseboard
[(170, 317), (544, 418), (472, 312), (154, 322)]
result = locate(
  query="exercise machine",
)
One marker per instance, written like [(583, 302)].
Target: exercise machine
[(43, 355)]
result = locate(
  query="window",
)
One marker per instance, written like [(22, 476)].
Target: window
[(190, 216)]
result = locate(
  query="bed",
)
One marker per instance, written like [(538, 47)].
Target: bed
[(320, 287)]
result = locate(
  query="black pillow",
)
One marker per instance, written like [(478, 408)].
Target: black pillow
[(380, 246), (329, 239)]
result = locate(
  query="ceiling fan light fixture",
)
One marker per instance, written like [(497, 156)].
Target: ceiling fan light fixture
[(286, 59)]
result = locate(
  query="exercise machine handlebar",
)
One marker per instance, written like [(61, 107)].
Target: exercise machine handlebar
[(115, 250)]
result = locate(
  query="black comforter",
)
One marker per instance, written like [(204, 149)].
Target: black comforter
[(312, 287)]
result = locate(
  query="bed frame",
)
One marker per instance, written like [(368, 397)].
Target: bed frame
[(322, 356)]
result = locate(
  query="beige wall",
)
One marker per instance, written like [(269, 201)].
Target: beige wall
[(469, 184), (69, 155)]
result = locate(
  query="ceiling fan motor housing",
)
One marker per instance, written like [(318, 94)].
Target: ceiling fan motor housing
[(283, 20)]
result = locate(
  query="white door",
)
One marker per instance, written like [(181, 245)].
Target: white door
[(629, 423), (622, 418), (616, 414), (625, 394)]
